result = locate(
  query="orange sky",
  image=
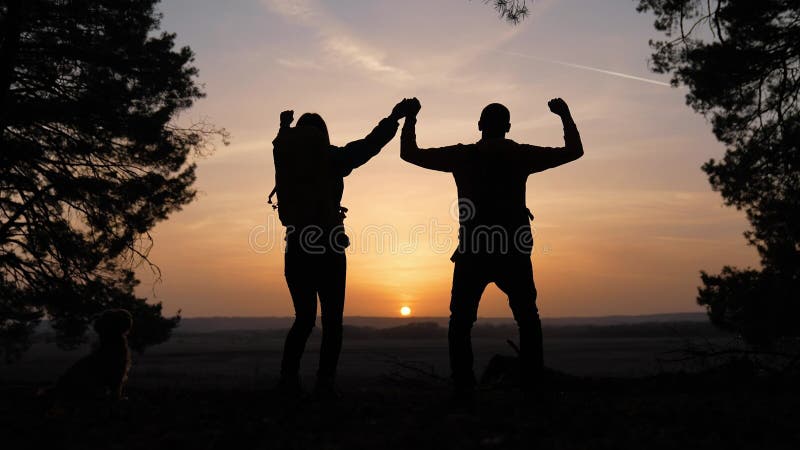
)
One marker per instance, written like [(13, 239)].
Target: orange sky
[(625, 230)]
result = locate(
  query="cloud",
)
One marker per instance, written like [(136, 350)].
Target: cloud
[(336, 40), (298, 63), (298, 9), (351, 50), (429, 68)]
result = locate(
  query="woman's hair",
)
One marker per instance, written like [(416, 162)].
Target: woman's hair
[(314, 120)]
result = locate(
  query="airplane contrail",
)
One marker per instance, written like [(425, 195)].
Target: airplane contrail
[(593, 69)]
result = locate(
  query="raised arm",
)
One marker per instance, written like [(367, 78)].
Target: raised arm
[(443, 159), (287, 117), (537, 159), (359, 152)]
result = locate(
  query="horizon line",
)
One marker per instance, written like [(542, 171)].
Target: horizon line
[(446, 317)]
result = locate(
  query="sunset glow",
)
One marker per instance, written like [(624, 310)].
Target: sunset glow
[(624, 230), (405, 311)]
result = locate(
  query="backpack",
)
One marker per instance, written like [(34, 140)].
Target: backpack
[(304, 180)]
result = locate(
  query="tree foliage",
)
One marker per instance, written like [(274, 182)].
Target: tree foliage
[(513, 11), (90, 161), (740, 61)]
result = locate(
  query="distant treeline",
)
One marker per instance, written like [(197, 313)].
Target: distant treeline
[(209, 324), (505, 331), (433, 330)]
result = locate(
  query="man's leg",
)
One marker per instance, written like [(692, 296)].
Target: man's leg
[(469, 281), (331, 298), (515, 278), (300, 278)]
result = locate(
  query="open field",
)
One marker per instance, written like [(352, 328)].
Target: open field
[(246, 358), (238, 360), (215, 390)]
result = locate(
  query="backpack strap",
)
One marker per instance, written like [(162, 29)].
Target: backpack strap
[(272, 194)]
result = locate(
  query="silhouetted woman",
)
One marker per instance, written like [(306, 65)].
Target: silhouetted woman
[(309, 174)]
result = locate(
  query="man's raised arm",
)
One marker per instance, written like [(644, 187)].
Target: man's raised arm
[(443, 159), (538, 159)]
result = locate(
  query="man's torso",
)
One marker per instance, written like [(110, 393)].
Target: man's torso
[(491, 190)]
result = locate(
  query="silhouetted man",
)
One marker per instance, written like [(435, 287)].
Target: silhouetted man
[(495, 240), (309, 183)]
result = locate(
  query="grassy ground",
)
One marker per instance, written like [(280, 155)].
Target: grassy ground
[(663, 412), (213, 391)]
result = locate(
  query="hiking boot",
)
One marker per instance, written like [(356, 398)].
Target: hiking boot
[(290, 388), (462, 399)]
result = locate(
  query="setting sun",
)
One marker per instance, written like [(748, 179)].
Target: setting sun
[(405, 311)]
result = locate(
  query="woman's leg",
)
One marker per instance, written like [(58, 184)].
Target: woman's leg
[(333, 276), (299, 269)]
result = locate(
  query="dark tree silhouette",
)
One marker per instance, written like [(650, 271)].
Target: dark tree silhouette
[(513, 11), (90, 161), (741, 63)]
